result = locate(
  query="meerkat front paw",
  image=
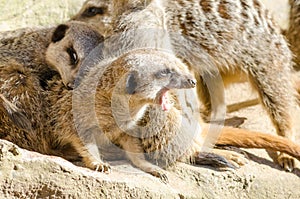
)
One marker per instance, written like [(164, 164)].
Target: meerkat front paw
[(98, 166), (102, 167), (160, 174), (286, 161)]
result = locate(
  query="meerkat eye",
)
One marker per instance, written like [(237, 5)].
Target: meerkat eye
[(93, 11), (163, 73), (73, 56)]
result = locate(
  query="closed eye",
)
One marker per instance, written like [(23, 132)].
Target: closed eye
[(93, 11), (73, 56)]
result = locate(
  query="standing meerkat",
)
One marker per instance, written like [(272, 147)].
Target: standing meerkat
[(24, 71), (293, 31), (117, 94), (236, 40)]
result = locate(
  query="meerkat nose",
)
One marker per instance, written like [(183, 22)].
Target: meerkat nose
[(192, 82)]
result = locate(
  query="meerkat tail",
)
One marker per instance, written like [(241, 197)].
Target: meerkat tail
[(250, 139)]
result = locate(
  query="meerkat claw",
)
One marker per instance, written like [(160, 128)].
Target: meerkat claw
[(102, 168), (163, 178), (286, 162)]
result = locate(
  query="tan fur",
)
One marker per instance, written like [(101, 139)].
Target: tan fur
[(217, 38), (246, 139), (293, 31), (22, 71), (21, 89), (297, 83), (23, 82)]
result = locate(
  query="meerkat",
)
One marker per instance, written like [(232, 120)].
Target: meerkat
[(74, 43), (30, 47), (121, 91), (24, 72), (99, 14), (222, 42), (126, 73), (96, 13), (293, 31), (125, 80)]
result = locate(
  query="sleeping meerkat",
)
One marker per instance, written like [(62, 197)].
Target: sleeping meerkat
[(74, 43), (24, 74)]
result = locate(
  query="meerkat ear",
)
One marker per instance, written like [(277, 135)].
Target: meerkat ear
[(131, 83), (59, 33)]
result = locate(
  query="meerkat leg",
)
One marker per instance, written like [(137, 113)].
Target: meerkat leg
[(210, 90), (135, 154), (89, 159), (211, 93), (277, 95)]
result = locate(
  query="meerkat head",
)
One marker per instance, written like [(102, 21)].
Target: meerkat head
[(70, 44), (97, 13), (153, 74), (103, 14), (140, 78)]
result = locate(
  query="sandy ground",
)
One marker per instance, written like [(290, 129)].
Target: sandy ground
[(257, 117)]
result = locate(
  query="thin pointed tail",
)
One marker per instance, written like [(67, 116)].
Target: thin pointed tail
[(250, 139)]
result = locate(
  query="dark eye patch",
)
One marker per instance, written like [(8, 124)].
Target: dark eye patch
[(73, 56), (93, 11)]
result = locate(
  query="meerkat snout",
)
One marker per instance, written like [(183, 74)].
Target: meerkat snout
[(182, 82)]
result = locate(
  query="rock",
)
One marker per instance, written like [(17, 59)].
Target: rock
[(26, 174)]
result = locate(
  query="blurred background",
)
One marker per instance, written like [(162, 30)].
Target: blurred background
[(31, 13), (26, 13)]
